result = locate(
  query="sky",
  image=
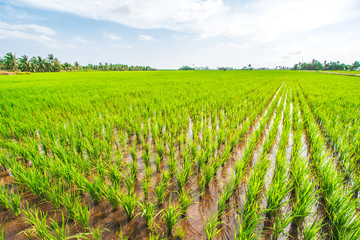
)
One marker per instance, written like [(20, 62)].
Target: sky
[(168, 34)]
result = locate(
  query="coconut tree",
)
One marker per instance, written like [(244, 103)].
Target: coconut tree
[(41, 64), (33, 62), (1, 64), (10, 62), (24, 64), (50, 62), (57, 65), (66, 66)]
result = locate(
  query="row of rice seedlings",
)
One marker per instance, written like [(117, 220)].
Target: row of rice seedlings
[(235, 179), (44, 228), (340, 206), (77, 211), (280, 185), (9, 199), (304, 185), (183, 174), (209, 170), (338, 140), (251, 212)]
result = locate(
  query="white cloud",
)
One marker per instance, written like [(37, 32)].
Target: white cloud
[(111, 36), (120, 45), (82, 40), (146, 38), (232, 45), (31, 32), (260, 20), (28, 27)]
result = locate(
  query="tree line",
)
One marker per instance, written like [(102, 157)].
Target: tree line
[(327, 66), (52, 64)]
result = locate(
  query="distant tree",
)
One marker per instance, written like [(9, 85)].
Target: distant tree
[(186, 67), (33, 64), (56, 65), (76, 65), (24, 64), (10, 62), (41, 64), (355, 65), (66, 66), (1, 63)]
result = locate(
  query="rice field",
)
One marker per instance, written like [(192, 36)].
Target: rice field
[(179, 155)]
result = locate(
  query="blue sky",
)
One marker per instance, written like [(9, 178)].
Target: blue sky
[(173, 33)]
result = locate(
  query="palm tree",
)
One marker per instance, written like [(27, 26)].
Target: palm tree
[(24, 64), (77, 65), (50, 63), (41, 63), (1, 64), (66, 66), (10, 62), (33, 64), (57, 65)]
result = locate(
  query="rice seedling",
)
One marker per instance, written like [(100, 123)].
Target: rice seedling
[(182, 175), (185, 200), (211, 226), (129, 182), (97, 233), (312, 230), (14, 202), (76, 210), (152, 236), (160, 149), (145, 183), (121, 235), (172, 165), (95, 188), (129, 202), (148, 212), (248, 222), (146, 157), (171, 217), (280, 223), (157, 162), (37, 219), (114, 175), (4, 202), (62, 231), (161, 191), (112, 193), (225, 196)]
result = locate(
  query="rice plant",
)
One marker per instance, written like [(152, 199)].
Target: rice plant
[(185, 200), (171, 216), (129, 202), (211, 226), (148, 212), (112, 193)]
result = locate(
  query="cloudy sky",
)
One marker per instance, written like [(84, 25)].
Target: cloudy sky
[(173, 33)]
